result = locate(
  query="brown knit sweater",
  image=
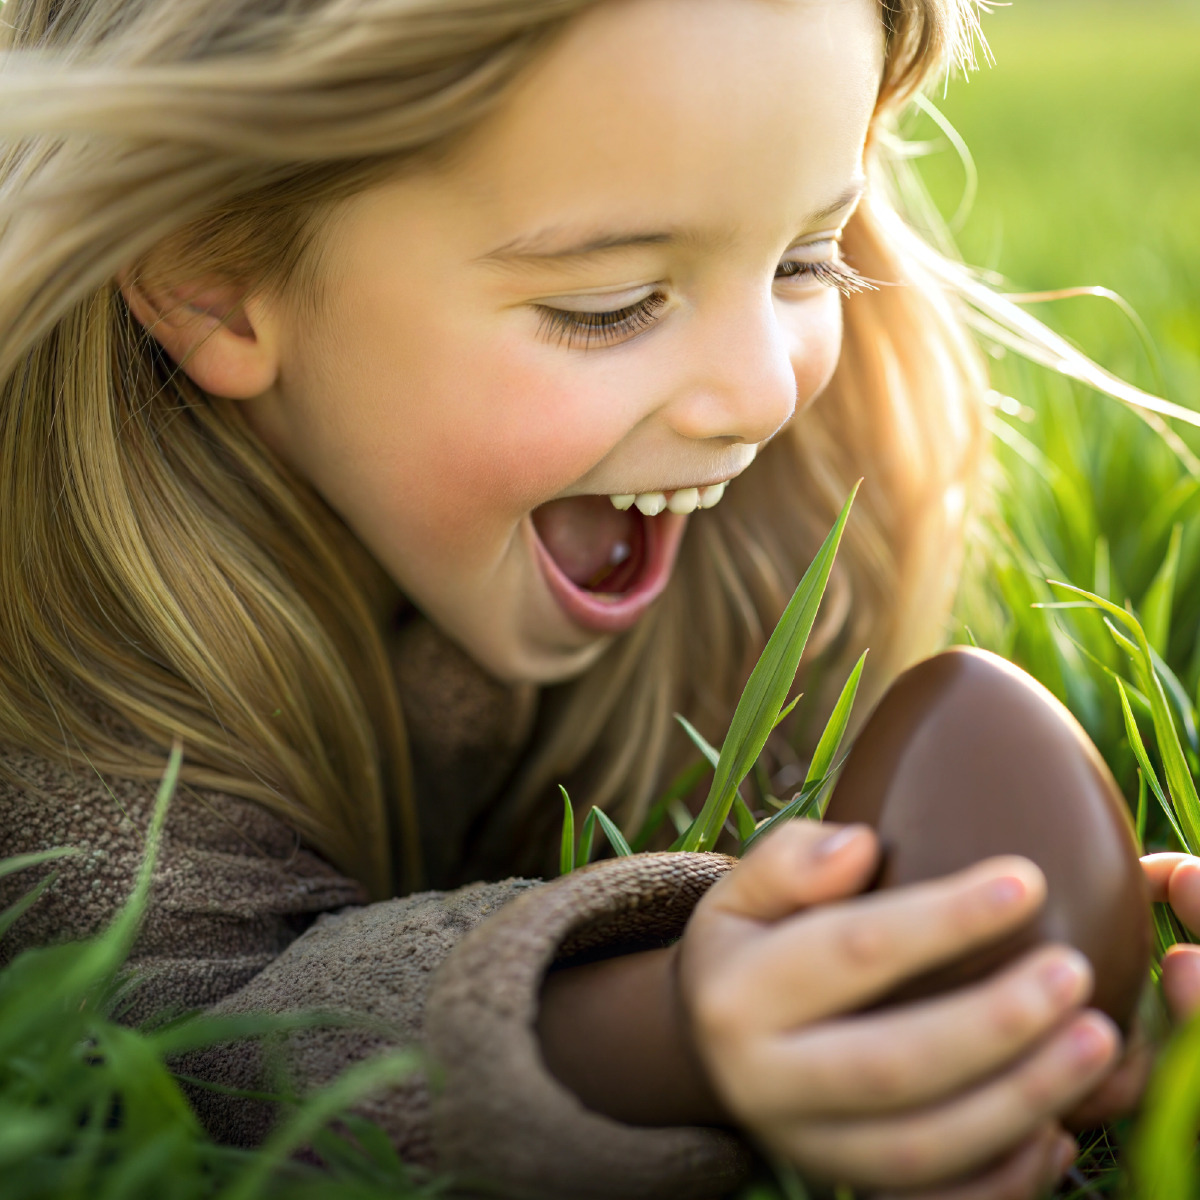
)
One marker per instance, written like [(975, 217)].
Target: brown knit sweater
[(243, 917)]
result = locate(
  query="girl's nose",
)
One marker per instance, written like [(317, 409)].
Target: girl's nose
[(737, 380)]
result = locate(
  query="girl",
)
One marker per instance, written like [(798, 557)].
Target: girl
[(406, 403)]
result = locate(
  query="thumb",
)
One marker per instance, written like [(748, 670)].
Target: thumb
[(1181, 980), (800, 864)]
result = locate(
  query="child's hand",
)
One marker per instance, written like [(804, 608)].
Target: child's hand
[(1175, 880), (914, 1095)]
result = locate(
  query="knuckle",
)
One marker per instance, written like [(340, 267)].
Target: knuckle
[(718, 1009), (1039, 1090), (1017, 1009), (863, 944), (910, 1160), (886, 1074)]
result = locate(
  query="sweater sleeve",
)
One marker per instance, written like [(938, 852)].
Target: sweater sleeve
[(243, 919), (458, 975), (232, 885)]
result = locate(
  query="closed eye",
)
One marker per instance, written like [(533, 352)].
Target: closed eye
[(834, 273), (570, 328)]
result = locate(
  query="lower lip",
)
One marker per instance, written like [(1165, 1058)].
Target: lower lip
[(605, 613)]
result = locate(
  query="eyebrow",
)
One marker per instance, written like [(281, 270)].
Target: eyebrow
[(542, 246)]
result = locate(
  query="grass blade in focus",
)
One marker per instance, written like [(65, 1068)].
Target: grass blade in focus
[(616, 839), (835, 728), (1182, 787), (583, 854), (566, 855), (710, 752), (1146, 772), (766, 691)]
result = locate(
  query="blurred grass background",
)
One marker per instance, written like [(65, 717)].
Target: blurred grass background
[(1085, 136)]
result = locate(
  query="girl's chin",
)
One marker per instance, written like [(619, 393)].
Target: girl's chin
[(603, 569)]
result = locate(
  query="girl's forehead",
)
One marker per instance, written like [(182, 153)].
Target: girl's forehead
[(684, 108)]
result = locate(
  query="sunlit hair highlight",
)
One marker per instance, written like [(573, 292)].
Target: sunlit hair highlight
[(162, 575)]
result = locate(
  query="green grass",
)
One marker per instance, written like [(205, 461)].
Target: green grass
[(1085, 137), (1085, 140), (89, 1110)]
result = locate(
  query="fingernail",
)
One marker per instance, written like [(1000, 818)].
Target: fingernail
[(1062, 977), (1005, 893), (1088, 1046), (835, 843)]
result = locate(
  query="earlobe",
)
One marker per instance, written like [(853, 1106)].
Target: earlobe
[(224, 342)]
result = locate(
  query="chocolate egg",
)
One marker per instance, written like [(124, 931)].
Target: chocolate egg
[(967, 757)]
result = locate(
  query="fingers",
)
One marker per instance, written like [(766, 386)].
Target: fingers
[(1157, 869), (1183, 892), (1027, 1173), (1174, 879), (916, 1054), (801, 864), (1181, 980), (842, 956), (939, 1143), (1120, 1092)]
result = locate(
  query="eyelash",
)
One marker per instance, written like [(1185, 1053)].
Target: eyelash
[(571, 329), (834, 273)]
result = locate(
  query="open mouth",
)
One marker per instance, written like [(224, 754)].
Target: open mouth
[(606, 559)]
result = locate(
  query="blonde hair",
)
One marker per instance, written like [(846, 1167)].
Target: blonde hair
[(162, 575)]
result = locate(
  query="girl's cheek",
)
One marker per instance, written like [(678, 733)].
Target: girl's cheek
[(534, 431), (816, 356)]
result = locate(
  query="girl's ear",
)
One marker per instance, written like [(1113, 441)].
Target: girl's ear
[(223, 341)]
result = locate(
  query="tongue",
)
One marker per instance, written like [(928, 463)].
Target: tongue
[(595, 546)]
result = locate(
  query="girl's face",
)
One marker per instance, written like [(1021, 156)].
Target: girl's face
[(619, 286)]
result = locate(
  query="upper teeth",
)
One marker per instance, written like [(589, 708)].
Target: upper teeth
[(685, 500)]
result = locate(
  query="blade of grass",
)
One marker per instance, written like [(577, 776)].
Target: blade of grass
[(710, 752), (1146, 772), (352, 1085), (1156, 604), (835, 728), (21, 862), (787, 712), (1167, 932), (1135, 694), (1179, 779), (1139, 823), (766, 691), (1163, 1154), (616, 839), (1182, 701), (801, 805), (583, 855), (566, 854), (15, 911), (743, 820)]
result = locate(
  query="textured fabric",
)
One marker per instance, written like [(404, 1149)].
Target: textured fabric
[(242, 917), (480, 1023), (373, 963), (466, 733), (232, 887)]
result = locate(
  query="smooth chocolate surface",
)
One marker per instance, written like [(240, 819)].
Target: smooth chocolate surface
[(967, 757)]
